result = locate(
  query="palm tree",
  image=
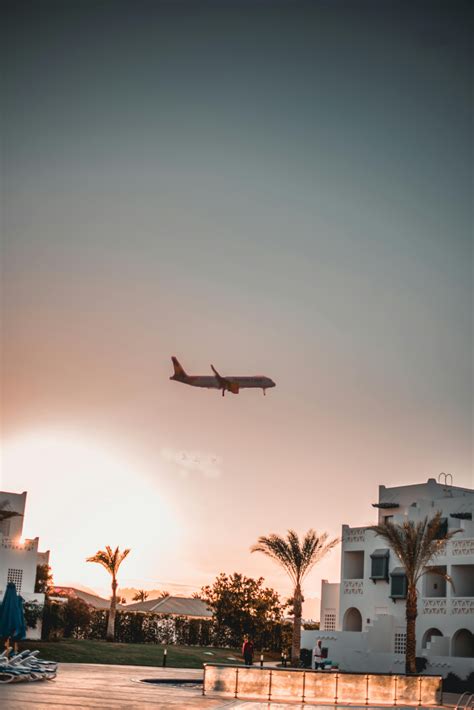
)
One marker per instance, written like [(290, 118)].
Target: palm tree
[(111, 560), (140, 596), (415, 544), (297, 559), (7, 514)]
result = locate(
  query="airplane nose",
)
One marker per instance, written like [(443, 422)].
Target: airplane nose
[(272, 384)]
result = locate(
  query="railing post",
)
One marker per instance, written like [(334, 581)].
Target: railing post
[(304, 686), (420, 679), (395, 688), (204, 680), (335, 697), (367, 689), (270, 686), (236, 681)]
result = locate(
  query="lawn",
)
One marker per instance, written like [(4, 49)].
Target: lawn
[(133, 654)]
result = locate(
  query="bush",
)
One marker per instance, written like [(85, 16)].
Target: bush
[(454, 684), (53, 621), (146, 627), (33, 613), (77, 617)]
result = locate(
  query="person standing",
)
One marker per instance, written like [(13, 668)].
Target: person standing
[(317, 655), (247, 651)]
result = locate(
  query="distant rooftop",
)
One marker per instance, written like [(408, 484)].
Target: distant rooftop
[(175, 606), (91, 599)]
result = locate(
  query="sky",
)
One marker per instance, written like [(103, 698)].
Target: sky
[(280, 188)]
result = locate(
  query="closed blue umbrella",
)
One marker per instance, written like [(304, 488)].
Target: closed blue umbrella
[(21, 633), (12, 623)]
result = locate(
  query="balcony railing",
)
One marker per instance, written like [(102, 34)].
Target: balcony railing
[(434, 606), (455, 605), (462, 605), (13, 543), (460, 548), (353, 586), (355, 535)]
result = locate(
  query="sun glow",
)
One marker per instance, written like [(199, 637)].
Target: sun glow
[(82, 496)]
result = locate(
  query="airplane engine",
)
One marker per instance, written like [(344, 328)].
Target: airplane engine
[(233, 387)]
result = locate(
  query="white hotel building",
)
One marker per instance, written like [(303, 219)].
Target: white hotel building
[(363, 618), (19, 558)]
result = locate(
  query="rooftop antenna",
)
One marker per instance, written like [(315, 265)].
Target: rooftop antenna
[(447, 479)]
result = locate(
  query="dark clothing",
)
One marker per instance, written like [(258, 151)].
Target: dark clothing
[(247, 652)]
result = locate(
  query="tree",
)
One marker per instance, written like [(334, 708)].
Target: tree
[(297, 559), (44, 579), (111, 560), (140, 596), (242, 606), (415, 544)]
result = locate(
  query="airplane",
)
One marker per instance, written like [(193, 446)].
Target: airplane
[(226, 384)]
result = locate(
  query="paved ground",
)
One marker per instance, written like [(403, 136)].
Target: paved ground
[(93, 687)]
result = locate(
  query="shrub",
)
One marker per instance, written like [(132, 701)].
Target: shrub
[(77, 617), (53, 621), (33, 613)]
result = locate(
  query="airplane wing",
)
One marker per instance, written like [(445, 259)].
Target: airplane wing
[(224, 383)]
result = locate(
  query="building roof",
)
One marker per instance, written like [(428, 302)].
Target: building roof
[(91, 599), (176, 606)]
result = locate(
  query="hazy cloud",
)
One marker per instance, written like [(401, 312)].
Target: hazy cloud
[(192, 462)]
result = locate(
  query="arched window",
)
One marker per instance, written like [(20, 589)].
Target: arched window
[(463, 644), (352, 620), (428, 635)]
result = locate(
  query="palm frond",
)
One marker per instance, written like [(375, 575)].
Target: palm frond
[(414, 543), (296, 556), (109, 559)]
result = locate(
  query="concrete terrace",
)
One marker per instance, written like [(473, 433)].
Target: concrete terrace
[(92, 687)]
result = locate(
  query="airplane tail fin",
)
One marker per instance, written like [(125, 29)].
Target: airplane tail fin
[(178, 369)]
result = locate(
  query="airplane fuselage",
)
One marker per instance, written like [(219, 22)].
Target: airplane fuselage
[(211, 382)]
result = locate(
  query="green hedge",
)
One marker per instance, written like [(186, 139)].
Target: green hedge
[(146, 627)]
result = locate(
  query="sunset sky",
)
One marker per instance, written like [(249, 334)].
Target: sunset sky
[(279, 188)]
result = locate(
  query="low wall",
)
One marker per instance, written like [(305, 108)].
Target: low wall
[(321, 686)]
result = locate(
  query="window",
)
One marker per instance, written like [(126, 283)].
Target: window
[(442, 530), (329, 621), (379, 564), (354, 564), (398, 588), (15, 576), (400, 644)]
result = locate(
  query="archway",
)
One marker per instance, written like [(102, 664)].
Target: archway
[(428, 635), (352, 620), (463, 644)]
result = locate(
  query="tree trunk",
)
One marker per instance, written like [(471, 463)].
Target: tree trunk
[(411, 614), (113, 610), (297, 613)]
